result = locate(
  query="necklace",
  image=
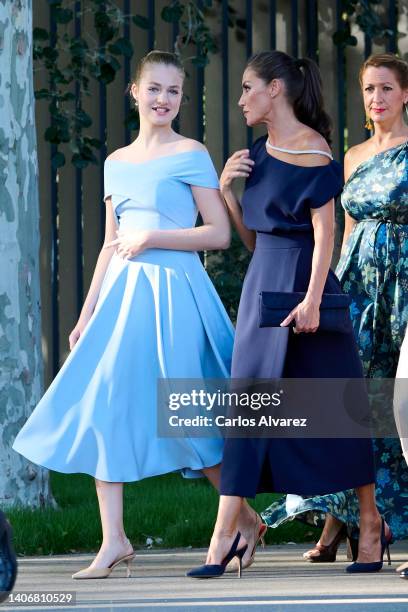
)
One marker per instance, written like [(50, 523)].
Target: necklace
[(298, 152)]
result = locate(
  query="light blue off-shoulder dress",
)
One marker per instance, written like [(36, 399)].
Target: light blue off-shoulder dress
[(157, 316)]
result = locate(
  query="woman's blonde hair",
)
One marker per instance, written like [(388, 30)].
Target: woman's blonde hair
[(158, 57), (390, 61)]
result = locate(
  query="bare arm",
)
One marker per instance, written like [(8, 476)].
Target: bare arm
[(238, 165), (349, 222), (323, 228), (307, 314), (102, 263), (213, 234)]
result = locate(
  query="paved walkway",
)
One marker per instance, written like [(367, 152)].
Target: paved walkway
[(279, 581)]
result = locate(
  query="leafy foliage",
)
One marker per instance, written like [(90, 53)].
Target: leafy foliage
[(72, 62), (193, 29), (366, 16), (69, 61)]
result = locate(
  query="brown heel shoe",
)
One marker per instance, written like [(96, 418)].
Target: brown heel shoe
[(327, 554)]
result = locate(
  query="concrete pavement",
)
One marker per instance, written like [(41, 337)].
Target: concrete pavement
[(278, 580)]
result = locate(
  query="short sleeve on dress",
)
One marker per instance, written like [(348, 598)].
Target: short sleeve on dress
[(326, 185), (116, 183), (257, 147), (197, 169)]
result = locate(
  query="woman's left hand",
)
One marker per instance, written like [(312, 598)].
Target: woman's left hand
[(306, 316), (130, 244)]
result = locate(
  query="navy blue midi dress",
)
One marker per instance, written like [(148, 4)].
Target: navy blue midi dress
[(276, 203)]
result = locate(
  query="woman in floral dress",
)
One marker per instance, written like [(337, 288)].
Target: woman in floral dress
[(373, 270)]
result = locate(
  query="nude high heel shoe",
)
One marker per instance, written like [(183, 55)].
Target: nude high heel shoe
[(103, 572), (259, 537), (402, 567)]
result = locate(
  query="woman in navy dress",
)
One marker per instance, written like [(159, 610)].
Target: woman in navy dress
[(287, 219)]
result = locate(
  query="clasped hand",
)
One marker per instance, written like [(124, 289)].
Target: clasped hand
[(306, 316), (129, 244)]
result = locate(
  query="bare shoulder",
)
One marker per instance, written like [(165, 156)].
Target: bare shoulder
[(136, 153), (121, 153), (310, 140), (314, 140), (183, 145), (356, 152), (355, 156)]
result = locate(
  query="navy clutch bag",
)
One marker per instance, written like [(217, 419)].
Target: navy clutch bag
[(274, 307)]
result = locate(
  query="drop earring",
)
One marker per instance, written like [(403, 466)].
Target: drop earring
[(369, 123)]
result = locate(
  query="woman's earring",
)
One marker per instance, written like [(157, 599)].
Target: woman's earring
[(369, 123), (136, 103)]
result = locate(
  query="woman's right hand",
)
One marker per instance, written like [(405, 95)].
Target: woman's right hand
[(77, 332), (238, 165), (306, 316)]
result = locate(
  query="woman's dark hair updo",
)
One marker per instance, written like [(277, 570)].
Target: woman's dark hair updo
[(303, 86)]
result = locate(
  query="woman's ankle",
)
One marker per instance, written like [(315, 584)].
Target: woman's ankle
[(370, 518), (248, 515), (333, 521), (330, 530), (113, 539), (222, 534)]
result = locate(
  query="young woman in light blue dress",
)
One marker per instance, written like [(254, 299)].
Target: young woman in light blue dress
[(151, 313)]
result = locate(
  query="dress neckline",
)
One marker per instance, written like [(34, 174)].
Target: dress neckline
[(280, 161), (286, 163), (153, 159), (299, 151), (372, 158)]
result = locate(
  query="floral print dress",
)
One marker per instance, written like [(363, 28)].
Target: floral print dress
[(374, 271)]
